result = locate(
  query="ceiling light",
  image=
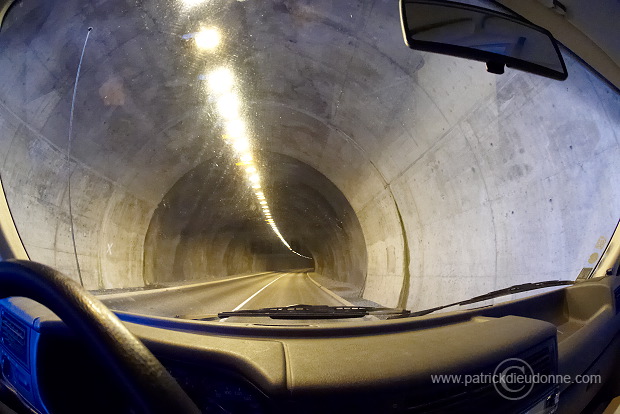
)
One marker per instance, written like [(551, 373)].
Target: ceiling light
[(221, 80), (241, 144), (235, 128), (207, 39), (192, 3), (228, 106)]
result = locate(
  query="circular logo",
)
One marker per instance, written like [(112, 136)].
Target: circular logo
[(513, 379)]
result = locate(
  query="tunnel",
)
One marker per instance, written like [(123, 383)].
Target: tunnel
[(223, 217), (414, 179)]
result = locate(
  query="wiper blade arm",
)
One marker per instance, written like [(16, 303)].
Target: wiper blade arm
[(525, 287), (310, 312)]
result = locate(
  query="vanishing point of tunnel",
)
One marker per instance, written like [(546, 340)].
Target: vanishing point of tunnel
[(305, 136)]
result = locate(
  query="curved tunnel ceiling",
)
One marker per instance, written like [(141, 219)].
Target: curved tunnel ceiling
[(419, 179), (209, 225)]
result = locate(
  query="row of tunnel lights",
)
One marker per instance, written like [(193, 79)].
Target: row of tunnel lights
[(221, 83)]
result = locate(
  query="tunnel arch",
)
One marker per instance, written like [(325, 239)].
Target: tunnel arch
[(497, 180), (210, 218)]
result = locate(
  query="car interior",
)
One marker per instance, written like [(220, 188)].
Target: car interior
[(144, 232)]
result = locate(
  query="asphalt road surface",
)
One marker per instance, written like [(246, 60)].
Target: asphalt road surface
[(247, 292)]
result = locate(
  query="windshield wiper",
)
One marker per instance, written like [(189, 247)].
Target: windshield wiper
[(498, 293), (314, 312), (341, 312)]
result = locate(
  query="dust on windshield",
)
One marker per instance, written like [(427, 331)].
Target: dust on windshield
[(193, 157)]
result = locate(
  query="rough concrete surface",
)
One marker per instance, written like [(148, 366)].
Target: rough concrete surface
[(415, 179)]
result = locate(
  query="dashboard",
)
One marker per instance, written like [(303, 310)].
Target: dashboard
[(374, 366)]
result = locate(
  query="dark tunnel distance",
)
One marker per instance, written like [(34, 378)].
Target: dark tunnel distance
[(206, 224)]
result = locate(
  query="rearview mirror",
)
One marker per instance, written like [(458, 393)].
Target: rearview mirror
[(477, 33)]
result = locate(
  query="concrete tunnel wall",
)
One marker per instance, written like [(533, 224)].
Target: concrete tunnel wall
[(206, 226), (461, 181)]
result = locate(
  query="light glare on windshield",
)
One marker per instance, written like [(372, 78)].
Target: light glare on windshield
[(221, 84)]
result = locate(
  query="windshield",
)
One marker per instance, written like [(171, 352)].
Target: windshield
[(192, 157)]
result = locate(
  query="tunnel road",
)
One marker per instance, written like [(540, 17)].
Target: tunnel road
[(246, 292)]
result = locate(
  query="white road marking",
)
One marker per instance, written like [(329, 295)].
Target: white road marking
[(110, 248), (329, 292), (259, 291), (104, 295)]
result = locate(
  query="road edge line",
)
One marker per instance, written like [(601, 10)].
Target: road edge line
[(257, 292), (329, 292), (173, 288)]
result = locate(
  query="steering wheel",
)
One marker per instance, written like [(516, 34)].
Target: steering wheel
[(150, 386)]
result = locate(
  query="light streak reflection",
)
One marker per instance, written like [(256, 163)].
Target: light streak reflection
[(221, 84)]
